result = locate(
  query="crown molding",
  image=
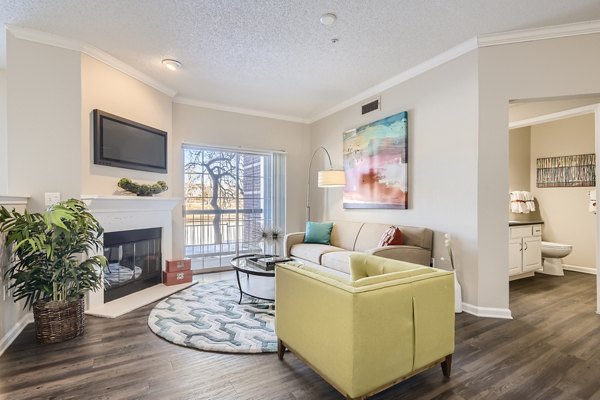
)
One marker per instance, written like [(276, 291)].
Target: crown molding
[(542, 119), (417, 70), (76, 45), (548, 32), (238, 110)]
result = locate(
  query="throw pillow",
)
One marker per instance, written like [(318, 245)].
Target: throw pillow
[(392, 236), (318, 232)]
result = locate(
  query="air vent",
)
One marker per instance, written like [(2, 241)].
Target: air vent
[(372, 106)]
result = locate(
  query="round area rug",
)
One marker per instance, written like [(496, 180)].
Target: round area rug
[(208, 317)]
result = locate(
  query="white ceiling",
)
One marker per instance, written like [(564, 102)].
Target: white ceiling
[(273, 55)]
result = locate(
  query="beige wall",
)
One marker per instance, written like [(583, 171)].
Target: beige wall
[(561, 67), (44, 120), (521, 110), (196, 125), (519, 141), (3, 139), (442, 115), (564, 210), (106, 89)]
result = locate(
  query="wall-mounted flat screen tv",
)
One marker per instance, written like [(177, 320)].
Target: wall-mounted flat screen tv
[(119, 142)]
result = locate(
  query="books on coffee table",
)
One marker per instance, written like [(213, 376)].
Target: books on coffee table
[(267, 262)]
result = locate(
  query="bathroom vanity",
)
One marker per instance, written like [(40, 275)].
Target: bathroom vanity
[(524, 248)]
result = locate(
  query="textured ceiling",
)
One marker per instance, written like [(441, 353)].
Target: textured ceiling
[(274, 55)]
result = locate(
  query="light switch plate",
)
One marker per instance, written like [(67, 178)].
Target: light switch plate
[(51, 198)]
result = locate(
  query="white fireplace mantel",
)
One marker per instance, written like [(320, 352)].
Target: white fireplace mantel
[(130, 203)]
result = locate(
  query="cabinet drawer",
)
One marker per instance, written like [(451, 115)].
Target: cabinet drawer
[(517, 232), (537, 230)]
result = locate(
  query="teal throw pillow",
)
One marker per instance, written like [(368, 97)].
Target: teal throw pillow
[(318, 232)]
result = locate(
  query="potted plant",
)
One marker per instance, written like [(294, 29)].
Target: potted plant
[(50, 267)]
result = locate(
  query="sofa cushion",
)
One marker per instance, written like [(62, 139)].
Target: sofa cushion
[(312, 252), (344, 234), (369, 235), (391, 237), (318, 232), (338, 260)]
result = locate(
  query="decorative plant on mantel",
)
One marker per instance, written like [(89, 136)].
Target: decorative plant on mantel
[(47, 270)]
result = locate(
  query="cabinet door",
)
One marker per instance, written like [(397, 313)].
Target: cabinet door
[(532, 254), (515, 257)]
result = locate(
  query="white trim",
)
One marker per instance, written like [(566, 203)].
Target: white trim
[(410, 73), (576, 268), (13, 200), (15, 331), (542, 119), (487, 312), (94, 52), (547, 32), (238, 110)]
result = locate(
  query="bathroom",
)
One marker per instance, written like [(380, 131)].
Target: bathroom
[(562, 210)]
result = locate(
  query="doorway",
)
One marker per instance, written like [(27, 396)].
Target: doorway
[(565, 211)]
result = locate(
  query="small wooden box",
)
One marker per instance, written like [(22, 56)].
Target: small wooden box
[(175, 278), (179, 265)]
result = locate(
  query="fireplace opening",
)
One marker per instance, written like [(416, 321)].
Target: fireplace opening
[(134, 261)]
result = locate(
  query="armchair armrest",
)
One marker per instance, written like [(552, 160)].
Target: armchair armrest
[(291, 239), (413, 254)]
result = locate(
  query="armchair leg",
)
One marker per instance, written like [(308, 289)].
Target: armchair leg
[(280, 349), (447, 366)]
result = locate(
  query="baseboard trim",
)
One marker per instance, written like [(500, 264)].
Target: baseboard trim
[(15, 332), (576, 268), (487, 312)]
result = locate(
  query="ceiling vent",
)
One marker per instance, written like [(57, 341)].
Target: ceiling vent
[(371, 106)]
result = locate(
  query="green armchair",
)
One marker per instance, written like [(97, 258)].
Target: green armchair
[(392, 320)]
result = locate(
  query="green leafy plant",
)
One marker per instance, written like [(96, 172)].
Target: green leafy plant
[(142, 190), (48, 248)]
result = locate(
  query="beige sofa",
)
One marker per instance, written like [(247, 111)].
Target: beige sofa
[(357, 237)]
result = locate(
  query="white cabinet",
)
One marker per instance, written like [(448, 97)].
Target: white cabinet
[(524, 249)]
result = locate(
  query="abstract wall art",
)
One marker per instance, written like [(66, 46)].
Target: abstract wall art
[(566, 171), (376, 164)]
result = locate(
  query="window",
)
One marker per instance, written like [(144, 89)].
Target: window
[(231, 198)]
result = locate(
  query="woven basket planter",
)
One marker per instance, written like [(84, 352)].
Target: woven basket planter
[(57, 321)]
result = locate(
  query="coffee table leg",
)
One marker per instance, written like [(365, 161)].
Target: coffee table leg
[(237, 275)]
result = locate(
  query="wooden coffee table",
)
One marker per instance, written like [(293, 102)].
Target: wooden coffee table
[(257, 283)]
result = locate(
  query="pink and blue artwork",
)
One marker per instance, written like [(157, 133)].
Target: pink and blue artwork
[(376, 164)]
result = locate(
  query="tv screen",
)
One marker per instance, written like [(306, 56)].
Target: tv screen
[(119, 142)]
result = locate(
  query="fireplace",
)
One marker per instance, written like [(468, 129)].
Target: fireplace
[(134, 261)]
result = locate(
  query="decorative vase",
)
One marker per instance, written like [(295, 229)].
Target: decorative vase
[(58, 321), (457, 295)]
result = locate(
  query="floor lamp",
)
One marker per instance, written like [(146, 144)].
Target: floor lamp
[(326, 178)]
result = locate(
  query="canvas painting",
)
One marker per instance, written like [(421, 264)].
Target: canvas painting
[(376, 164)]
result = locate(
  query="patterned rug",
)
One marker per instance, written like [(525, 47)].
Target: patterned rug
[(208, 317)]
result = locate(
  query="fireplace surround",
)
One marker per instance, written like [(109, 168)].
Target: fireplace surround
[(127, 213)]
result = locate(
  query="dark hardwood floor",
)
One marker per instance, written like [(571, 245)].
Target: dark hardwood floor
[(551, 350)]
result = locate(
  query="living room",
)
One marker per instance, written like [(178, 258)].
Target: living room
[(457, 100)]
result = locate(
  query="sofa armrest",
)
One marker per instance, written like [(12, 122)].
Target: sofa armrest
[(290, 240), (412, 254)]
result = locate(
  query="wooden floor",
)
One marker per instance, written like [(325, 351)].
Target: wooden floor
[(551, 350)]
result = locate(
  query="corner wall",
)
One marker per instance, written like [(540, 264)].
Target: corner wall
[(442, 161), (44, 120), (538, 69)]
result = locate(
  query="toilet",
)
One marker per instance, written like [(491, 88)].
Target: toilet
[(552, 255)]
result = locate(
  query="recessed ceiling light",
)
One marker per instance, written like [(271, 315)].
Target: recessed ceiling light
[(328, 19), (173, 65)]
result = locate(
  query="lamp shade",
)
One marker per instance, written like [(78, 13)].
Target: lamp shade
[(331, 178)]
